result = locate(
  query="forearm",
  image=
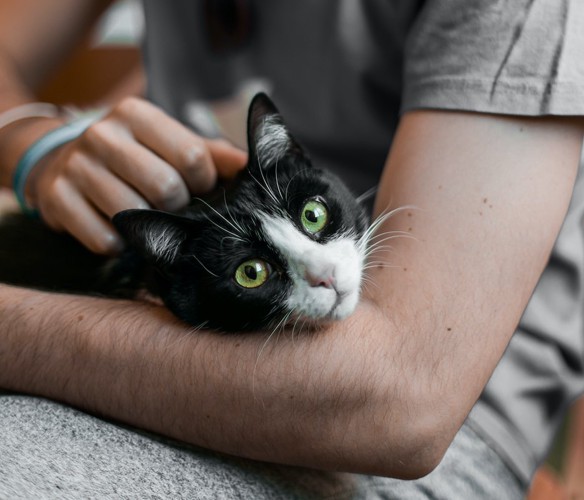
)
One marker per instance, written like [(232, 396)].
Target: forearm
[(316, 400)]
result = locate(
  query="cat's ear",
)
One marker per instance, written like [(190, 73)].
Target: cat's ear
[(269, 140), (156, 235)]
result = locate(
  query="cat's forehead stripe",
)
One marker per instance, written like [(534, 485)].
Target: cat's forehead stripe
[(286, 237), (303, 253)]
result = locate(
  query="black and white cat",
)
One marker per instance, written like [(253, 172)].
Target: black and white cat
[(285, 241)]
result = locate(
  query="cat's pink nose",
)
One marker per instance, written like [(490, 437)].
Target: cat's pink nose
[(326, 280)]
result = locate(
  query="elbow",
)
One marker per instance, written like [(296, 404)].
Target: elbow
[(398, 453), (421, 452), (411, 437), (415, 453)]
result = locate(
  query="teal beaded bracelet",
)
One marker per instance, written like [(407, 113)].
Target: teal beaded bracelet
[(40, 149)]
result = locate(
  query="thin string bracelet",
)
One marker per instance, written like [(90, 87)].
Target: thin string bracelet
[(39, 149)]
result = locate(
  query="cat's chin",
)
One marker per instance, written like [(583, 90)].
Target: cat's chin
[(342, 309)]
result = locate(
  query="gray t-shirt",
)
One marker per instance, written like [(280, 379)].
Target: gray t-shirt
[(342, 71)]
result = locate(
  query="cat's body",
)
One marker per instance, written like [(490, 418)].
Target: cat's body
[(284, 241)]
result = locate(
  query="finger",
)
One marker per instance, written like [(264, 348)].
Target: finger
[(198, 160), (228, 159), (107, 192), (176, 144), (79, 218), (158, 182)]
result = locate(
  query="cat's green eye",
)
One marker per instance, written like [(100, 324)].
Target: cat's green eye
[(252, 273), (314, 216)]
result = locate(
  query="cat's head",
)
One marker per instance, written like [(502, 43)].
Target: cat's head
[(284, 243)]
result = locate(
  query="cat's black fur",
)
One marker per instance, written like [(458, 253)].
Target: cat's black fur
[(203, 244)]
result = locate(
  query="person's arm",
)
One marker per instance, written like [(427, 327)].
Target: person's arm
[(135, 157), (382, 392), (36, 37)]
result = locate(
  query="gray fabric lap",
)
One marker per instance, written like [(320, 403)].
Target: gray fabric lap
[(52, 451)]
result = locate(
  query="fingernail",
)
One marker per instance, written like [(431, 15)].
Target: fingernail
[(114, 242)]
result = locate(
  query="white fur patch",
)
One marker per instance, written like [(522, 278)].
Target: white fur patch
[(163, 243), (272, 141), (339, 258)]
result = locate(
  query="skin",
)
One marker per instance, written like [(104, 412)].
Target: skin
[(383, 392)]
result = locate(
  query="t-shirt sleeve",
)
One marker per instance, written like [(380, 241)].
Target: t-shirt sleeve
[(522, 57)]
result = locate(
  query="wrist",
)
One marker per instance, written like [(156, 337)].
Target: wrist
[(38, 152), (17, 137)]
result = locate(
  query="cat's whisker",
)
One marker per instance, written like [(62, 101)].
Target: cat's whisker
[(270, 189), (395, 232), (366, 280), (295, 322), (185, 335), (282, 323), (379, 249), (235, 223), (268, 192), (233, 235), (294, 326), (376, 242), (235, 238), (203, 266), (380, 219), (373, 263), (389, 236), (222, 217), (265, 186), (381, 238), (367, 194), (277, 182), (290, 181), (380, 265), (303, 325)]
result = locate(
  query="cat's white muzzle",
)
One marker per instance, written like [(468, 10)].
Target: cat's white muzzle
[(326, 277)]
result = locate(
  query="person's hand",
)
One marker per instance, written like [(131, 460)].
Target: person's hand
[(135, 157)]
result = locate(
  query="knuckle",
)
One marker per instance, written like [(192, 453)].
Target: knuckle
[(73, 162), (198, 168), (56, 190), (75, 157), (96, 133), (192, 158), (129, 106), (169, 190), (51, 202)]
